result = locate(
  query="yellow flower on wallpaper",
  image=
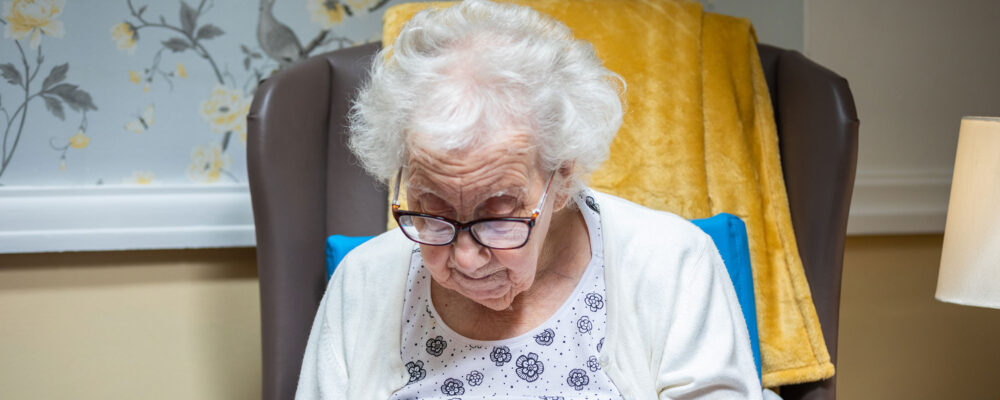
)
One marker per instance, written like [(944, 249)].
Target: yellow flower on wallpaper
[(140, 178), (226, 110), (79, 140), (134, 77), (32, 18), (125, 36), (207, 163), (326, 13), (181, 71), (360, 6)]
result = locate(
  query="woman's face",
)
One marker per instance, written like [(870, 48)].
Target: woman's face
[(493, 180)]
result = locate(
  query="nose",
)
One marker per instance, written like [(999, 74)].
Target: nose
[(469, 256)]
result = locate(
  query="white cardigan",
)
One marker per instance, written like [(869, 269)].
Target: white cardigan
[(675, 329)]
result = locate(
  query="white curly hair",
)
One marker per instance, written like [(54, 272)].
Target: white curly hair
[(464, 73)]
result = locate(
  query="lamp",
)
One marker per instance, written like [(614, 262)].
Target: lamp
[(970, 259)]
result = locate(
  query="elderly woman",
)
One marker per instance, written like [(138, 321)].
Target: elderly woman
[(508, 277)]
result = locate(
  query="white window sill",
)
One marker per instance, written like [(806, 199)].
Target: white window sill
[(124, 217)]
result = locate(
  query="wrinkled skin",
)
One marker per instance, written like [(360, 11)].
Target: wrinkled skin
[(485, 293)]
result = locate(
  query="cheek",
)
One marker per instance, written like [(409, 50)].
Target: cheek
[(435, 260), (520, 265)]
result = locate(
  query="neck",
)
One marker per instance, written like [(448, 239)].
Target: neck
[(563, 260), (566, 251)]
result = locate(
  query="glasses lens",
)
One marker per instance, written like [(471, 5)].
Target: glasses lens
[(501, 234), (426, 230)]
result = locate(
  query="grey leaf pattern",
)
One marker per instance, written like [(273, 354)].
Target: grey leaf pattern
[(10, 73), (55, 107), (176, 45), (209, 31), (58, 74), (74, 97), (189, 18)]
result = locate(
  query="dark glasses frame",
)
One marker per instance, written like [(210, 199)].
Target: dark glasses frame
[(466, 226)]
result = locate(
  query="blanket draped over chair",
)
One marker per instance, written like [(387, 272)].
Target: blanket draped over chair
[(698, 139)]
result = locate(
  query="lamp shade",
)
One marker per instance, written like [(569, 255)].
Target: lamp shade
[(970, 260)]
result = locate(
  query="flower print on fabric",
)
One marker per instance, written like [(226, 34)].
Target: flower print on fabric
[(529, 367), (577, 378), (594, 301), (592, 364), (584, 325), (453, 387), (416, 370), (436, 346), (474, 378), (545, 338), (593, 204), (500, 355), (560, 359)]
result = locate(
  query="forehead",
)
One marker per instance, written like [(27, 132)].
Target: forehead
[(507, 166)]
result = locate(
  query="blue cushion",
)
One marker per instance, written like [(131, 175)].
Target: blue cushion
[(337, 247), (730, 237), (727, 231)]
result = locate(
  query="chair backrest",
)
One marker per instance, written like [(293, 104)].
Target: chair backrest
[(305, 185)]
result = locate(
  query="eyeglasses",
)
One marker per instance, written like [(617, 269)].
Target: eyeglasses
[(504, 233)]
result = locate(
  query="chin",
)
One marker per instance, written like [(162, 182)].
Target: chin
[(498, 299), (501, 304)]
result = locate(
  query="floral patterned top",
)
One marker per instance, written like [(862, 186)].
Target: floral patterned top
[(556, 360)]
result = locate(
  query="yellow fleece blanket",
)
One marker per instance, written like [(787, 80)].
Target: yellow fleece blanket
[(698, 139)]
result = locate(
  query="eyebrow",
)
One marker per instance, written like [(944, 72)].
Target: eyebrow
[(516, 191), (502, 192)]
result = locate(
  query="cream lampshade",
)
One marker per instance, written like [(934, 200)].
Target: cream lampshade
[(970, 260)]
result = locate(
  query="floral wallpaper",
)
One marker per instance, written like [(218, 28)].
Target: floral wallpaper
[(150, 92)]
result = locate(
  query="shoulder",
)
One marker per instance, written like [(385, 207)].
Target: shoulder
[(654, 254), (373, 267), (633, 230), (389, 244)]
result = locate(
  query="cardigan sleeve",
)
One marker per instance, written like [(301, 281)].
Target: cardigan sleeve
[(350, 353), (324, 371), (707, 353)]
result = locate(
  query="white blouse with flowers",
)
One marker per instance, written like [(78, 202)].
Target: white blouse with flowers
[(556, 360)]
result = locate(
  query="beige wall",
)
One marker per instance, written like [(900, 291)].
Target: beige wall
[(897, 341), (185, 324), (915, 67), (130, 325)]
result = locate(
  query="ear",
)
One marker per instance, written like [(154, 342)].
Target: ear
[(562, 185)]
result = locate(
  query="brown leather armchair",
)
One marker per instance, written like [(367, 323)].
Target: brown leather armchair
[(305, 185)]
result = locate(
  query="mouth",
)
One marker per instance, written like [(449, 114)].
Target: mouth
[(481, 277), (481, 284)]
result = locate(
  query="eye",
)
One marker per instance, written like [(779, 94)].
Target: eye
[(432, 204), (500, 205)]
